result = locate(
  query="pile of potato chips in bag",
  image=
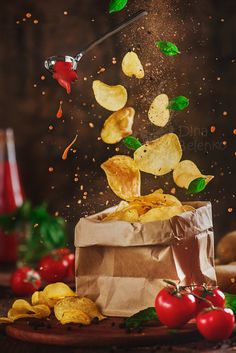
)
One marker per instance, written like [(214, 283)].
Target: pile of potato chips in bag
[(158, 157), (59, 298)]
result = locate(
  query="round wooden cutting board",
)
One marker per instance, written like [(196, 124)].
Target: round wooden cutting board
[(104, 334)]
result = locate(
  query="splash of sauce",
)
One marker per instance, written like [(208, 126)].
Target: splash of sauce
[(65, 153), (60, 112), (64, 74)]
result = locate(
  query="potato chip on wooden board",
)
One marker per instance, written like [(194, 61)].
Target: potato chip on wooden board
[(51, 294), (159, 113), (131, 65), (77, 310), (186, 171), (123, 176), (118, 125), (111, 98), (159, 156)]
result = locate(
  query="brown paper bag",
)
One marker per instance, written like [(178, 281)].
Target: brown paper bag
[(121, 265)]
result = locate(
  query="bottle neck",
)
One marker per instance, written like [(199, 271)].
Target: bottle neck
[(11, 193)]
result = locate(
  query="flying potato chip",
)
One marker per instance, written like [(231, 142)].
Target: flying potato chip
[(159, 156), (123, 176), (118, 126), (110, 97), (159, 113), (80, 310), (131, 65), (161, 213), (186, 171)]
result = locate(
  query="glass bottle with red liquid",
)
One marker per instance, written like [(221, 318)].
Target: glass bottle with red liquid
[(11, 194)]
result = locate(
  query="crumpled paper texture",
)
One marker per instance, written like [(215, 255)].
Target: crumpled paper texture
[(121, 265)]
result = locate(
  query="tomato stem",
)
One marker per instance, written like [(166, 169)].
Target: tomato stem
[(205, 300)]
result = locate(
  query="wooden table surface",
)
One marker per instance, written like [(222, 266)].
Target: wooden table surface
[(10, 345)]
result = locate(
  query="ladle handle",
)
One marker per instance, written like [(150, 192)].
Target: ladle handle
[(108, 34)]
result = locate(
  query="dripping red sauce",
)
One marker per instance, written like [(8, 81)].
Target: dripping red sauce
[(64, 74)]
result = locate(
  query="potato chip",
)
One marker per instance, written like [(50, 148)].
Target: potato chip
[(75, 316), (40, 312), (123, 176), (157, 197), (110, 97), (90, 308), (5, 320), (131, 65), (22, 305), (35, 298), (51, 294), (14, 314), (122, 205), (160, 156), (188, 208), (128, 215), (158, 113), (161, 213), (186, 171), (58, 290), (86, 310), (40, 298), (118, 126)]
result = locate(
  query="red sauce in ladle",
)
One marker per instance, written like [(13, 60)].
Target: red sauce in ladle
[(64, 74)]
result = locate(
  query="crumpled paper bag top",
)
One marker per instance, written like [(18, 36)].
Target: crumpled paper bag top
[(92, 231)]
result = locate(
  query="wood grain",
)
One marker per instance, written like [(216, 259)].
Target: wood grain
[(105, 334)]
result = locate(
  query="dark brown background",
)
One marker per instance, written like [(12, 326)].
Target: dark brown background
[(204, 30)]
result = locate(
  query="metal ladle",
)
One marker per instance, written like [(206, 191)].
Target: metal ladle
[(50, 62)]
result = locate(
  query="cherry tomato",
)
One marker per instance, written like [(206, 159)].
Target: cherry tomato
[(175, 309), (71, 269), (53, 267), (214, 295), (70, 257), (216, 324), (25, 281)]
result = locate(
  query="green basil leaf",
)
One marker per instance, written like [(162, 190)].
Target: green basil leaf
[(117, 5), (230, 302), (131, 142), (167, 48), (136, 320), (178, 103), (196, 185)]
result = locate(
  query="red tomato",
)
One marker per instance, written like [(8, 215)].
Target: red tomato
[(70, 257), (71, 269), (175, 310), (215, 296), (216, 324), (25, 281), (53, 267)]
